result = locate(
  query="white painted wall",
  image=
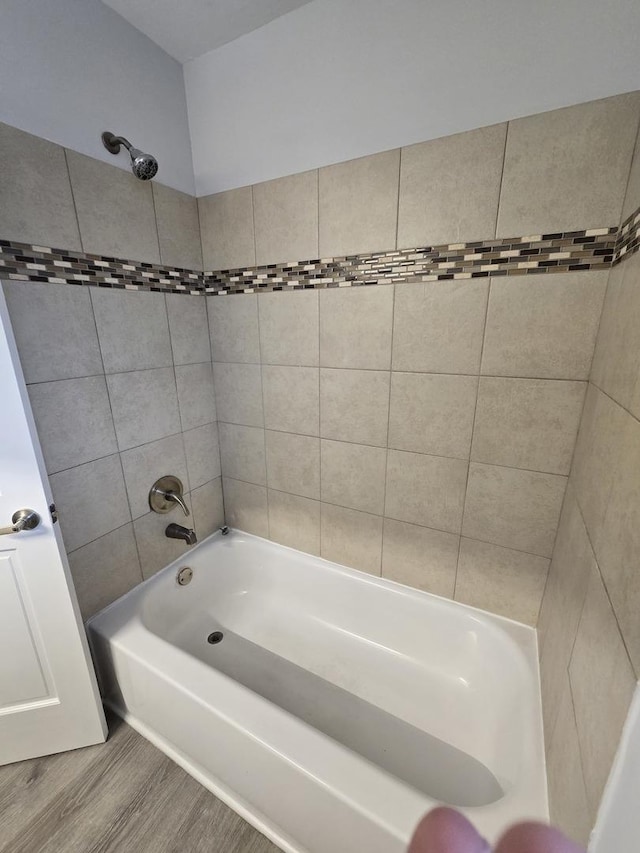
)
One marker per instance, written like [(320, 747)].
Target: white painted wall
[(338, 79), (70, 69)]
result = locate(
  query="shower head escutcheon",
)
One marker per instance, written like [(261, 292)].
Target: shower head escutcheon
[(143, 166)]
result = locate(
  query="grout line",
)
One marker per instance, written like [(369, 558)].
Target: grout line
[(73, 200), (253, 222), (390, 374), (398, 198), (264, 430), (504, 160), (319, 381), (155, 220)]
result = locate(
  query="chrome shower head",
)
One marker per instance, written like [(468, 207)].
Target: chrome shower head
[(144, 166)]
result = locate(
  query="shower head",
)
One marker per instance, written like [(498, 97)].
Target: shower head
[(143, 166)]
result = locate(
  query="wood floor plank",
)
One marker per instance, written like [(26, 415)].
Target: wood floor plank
[(124, 796)]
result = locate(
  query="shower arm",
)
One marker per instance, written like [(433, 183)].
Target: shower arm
[(112, 143)]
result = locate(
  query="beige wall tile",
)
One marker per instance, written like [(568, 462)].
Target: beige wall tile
[(571, 567), (202, 449), (438, 327), (568, 804), (291, 399), (449, 188), (154, 548), (513, 508), (359, 205), (188, 327), (207, 508), (355, 327), (195, 394), (242, 453), (115, 210), (82, 517), (425, 490), (527, 423), (246, 507), (620, 545), (420, 557), (37, 205), (286, 218), (567, 169), (501, 580), (226, 229), (239, 393), (544, 329), (143, 465), (432, 413), (632, 198), (233, 326), (144, 405), (105, 569), (82, 404), (595, 458), (351, 538), (293, 463), (54, 329), (178, 227), (289, 328), (354, 405), (294, 521), (616, 363), (602, 682), (353, 475)]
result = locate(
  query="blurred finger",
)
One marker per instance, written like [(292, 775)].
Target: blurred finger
[(536, 838), (446, 831)]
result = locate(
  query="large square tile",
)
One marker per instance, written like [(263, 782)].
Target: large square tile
[(91, 500), (233, 326), (513, 508), (353, 475), (189, 328), (239, 393), (202, 449), (54, 329), (178, 228), (293, 463), (602, 683), (195, 394), (144, 405), (567, 169), (358, 203), (37, 205), (420, 557), (351, 538), (294, 521), (355, 327), (245, 506), (208, 508), (527, 423), (132, 328), (354, 405), (500, 580), (545, 328), (105, 569), (286, 218), (449, 188), (438, 326), (74, 422), (143, 465), (425, 490), (242, 453), (289, 328), (291, 399), (432, 413), (226, 227), (115, 210)]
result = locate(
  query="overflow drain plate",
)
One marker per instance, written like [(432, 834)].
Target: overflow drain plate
[(215, 637)]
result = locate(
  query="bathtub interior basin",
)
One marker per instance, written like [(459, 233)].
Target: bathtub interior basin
[(376, 700)]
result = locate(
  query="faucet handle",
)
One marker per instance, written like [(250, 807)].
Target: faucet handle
[(166, 493)]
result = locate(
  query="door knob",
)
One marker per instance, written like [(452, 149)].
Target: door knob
[(23, 519)]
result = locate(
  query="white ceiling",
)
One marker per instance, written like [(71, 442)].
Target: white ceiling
[(188, 28)]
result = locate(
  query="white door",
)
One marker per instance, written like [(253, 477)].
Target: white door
[(49, 701)]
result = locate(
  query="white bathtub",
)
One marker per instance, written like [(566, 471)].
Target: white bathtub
[(338, 707)]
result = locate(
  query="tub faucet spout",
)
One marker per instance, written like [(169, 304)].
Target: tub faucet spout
[(177, 531)]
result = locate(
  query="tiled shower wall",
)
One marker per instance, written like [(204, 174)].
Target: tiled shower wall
[(419, 431), (120, 382), (589, 625)]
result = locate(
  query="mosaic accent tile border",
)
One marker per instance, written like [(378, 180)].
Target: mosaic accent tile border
[(597, 248), (26, 262)]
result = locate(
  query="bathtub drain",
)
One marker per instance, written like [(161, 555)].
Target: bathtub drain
[(215, 637)]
